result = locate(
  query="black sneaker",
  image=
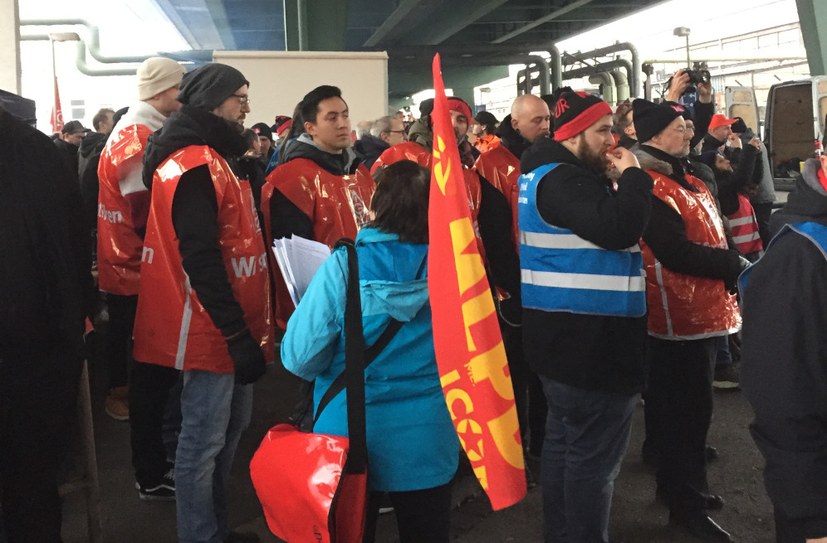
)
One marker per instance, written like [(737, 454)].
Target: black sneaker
[(163, 490), (726, 377)]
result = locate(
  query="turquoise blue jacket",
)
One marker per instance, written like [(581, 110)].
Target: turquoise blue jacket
[(412, 444)]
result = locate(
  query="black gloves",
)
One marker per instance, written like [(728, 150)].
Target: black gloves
[(247, 357)]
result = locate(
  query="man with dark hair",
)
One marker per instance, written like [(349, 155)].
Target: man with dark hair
[(45, 292), (68, 142), (485, 131), (204, 300), (689, 273), (584, 316), (265, 137), (320, 191), (88, 158)]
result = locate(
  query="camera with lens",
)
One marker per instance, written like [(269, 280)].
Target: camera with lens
[(698, 76)]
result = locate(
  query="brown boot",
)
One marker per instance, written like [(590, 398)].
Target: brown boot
[(116, 404)]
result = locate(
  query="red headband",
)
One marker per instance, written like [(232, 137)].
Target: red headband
[(459, 105), (587, 118)]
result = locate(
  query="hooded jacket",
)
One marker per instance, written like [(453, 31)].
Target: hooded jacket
[(421, 131), (316, 195), (369, 148), (195, 209), (411, 440), (588, 351), (784, 370)]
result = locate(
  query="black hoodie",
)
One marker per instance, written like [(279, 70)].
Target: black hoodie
[(511, 139), (195, 208), (588, 351), (286, 218), (784, 369), (89, 156)]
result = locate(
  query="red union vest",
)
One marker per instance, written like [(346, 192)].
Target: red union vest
[(744, 227), (407, 150), (172, 328), (337, 205), (502, 169), (687, 306), (119, 247)]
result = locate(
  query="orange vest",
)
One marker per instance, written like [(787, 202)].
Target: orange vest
[(744, 228), (487, 143), (687, 306), (172, 328), (337, 205), (502, 169), (119, 247)]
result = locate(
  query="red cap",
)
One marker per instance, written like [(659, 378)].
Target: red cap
[(720, 120)]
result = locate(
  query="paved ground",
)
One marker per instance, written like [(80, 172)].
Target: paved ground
[(636, 517)]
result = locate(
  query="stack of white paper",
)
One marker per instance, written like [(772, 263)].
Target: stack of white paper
[(298, 259)]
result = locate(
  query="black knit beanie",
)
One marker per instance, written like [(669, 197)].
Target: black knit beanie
[(650, 119), (208, 86)]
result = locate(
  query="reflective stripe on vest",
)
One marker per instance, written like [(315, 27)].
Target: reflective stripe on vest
[(561, 271), (744, 228)]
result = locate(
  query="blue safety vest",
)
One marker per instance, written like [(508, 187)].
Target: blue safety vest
[(816, 233), (560, 271)]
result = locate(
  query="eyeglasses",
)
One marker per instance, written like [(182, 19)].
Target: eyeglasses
[(243, 99)]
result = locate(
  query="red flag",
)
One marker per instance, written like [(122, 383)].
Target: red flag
[(57, 112), (469, 349)]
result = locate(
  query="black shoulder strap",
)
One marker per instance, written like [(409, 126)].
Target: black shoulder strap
[(390, 331), (354, 366), (370, 355)]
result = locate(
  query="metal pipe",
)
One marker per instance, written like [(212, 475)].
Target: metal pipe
[(80, 61), (607, 86), (622, 85), (556, 67), (93, 41), (600, 67), (634, 81), (542, 65)]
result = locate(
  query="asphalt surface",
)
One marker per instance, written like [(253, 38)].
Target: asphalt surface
[(636, 517)]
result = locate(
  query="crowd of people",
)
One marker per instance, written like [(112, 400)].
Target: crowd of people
[(613, 239)]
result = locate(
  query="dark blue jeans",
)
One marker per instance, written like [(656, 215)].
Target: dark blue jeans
[(587, 434)]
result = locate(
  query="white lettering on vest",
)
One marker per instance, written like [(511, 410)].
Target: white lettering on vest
[(115, 217), (147, 255), (244, 267)]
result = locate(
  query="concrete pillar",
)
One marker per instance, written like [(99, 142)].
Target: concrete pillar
[(327, 24), (295, 25), (9, 46), (812, 15)]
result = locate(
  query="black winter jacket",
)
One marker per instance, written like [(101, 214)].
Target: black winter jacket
[(784, 373), (588, 351)]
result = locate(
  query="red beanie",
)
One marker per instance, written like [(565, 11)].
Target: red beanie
[(460, 106), (575, 112)]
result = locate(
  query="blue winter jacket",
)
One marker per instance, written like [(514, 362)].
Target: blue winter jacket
[(412, 444)]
